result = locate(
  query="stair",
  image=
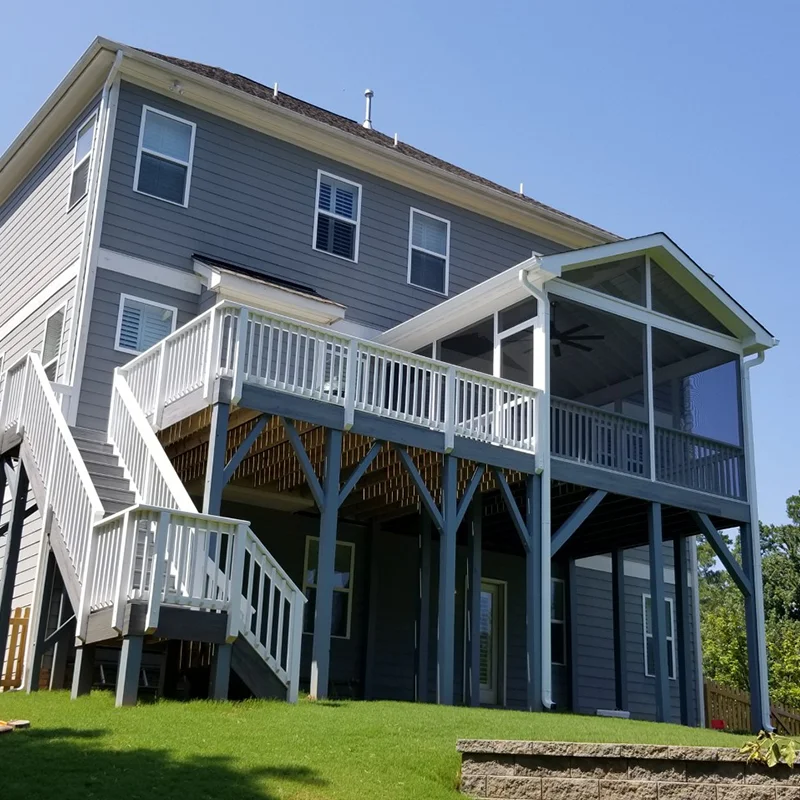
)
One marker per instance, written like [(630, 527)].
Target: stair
[(104, 468)]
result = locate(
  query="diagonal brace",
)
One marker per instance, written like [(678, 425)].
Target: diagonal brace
[(723, 554), (513, 508), (305, 463), (359, 471), (60, 632), (32, 509), (424, 494), (463, 504), (576, 519), (244, 448)]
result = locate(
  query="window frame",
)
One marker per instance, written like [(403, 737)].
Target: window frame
[(122, 298), (348, 591), (62, 307), (671, 644), (140, 148), (411, 247), (334, 215), (562, 622), (93, 117)]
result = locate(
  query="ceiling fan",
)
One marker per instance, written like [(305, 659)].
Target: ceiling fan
[(572, 337)]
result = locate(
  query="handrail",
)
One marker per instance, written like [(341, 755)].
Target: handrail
[(699, 439)]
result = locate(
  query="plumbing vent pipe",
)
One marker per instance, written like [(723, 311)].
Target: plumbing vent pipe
[(369, 94)]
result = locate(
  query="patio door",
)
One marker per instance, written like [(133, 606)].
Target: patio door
[(491, 644)]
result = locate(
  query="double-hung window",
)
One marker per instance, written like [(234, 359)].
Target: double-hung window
[(142, 323), (51, 346), (344, 561), (164, 156), (558, 622), (429, 251), (338, 216), (649, 649), (82, 161)]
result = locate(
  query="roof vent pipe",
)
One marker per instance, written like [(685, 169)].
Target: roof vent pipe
[(369, 94), (275, 90)]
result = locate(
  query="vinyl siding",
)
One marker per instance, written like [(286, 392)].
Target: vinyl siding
[(101, 357), (28, 554), (39, 235), (252, 202)]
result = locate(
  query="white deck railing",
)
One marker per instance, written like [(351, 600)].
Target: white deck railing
[(257, 348)]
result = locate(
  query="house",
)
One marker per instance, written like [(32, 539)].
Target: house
[(287, 403)]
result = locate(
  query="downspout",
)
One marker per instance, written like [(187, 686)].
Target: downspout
[(542, 383), (758, 585), (90, 239)]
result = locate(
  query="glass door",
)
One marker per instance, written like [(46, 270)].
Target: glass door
[(491, 598)]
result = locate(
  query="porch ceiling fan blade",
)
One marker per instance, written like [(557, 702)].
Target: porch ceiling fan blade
[(577, 346), (585, 337), (576, 329)]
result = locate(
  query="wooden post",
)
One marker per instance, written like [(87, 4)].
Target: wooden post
[(62, 647), (424, 608), (658, 613), (473, 631), (130, 664), (329, 513), (533, 590), (372, 611), (682, 634), (220, 672), (41, 613), (83, 672), (620, 638), (574, 673), (447, 583)]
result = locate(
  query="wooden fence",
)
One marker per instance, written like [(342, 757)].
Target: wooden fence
[(733, 709), (11, 677)]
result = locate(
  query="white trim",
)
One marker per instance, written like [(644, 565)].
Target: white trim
[(144, 301), (140, 148), (38, 300), (50, 314), (93, 118), (411, 246), (670, 638), (149, 271), (348, 591), (562, 622), (333, 215)]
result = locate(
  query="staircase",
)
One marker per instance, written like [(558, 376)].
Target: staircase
[(132, 547)]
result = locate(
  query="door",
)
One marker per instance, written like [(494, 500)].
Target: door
[(490, 642)]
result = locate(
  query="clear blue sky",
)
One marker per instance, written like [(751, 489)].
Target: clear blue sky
[(680, 117)]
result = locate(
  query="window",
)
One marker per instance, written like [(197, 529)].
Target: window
[(81, 161), (51, 346), (649, 653), (558, 623), (142, 323), (164, 157), (338, 218), (342, 586), (428, 251)]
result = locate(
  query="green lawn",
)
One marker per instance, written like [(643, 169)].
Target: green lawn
[(262, 749)]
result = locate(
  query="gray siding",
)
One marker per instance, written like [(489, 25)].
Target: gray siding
[(39, 236), (101, 356), (252, 202)]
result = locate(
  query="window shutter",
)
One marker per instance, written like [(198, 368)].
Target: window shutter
[(325, 196), (345, 202), (430, 234), (129, 328)]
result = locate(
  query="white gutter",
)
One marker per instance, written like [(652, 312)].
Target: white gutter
[(541, 381), (90, 243)]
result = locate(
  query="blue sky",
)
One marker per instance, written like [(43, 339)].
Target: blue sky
[(638, 117)]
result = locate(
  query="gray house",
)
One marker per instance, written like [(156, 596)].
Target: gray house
[(286, 403)]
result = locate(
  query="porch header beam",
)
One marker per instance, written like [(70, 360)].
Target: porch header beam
[(723, 554), (359, 471), (576, 519), (513, 508), (305, 463), (244, 448), (469, 493), (424, 494)]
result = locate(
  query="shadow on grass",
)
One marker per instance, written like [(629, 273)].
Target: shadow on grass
[(73, 765)]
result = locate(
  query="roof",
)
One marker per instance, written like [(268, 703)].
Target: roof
[(266, 93)]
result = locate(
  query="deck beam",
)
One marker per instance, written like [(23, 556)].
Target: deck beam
[(658, 615)]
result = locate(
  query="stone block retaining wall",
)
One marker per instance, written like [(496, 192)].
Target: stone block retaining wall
[(570, 771)]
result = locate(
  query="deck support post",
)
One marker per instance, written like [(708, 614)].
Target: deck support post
[(372, 609), (756, 634), (620, 638), (682, 633), (533, 589), (574, 638), (83, 672), (13, 540), (329, 513), (41, 614), (474, 601), (215, 465), (658, 617), (447, 582), (424, 608), (130, 665), (220, 672)]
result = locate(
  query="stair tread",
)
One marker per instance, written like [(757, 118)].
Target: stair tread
[(89, 434)]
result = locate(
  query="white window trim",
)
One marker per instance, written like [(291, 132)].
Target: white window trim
[(144, 301), (347, 591), (75, 165), (52, 313), (140, 148), (562, 622), (671, 644), (412, 247), (333, 215)]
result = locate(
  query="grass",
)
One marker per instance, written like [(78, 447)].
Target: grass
[(261, 749)]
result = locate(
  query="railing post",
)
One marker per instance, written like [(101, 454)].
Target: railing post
[(239, 354), (295, 645), (235, 589), (214, 350), (86, 586), (157, 578), (351, 375), (23, 400), (161, 385), (121, 585), (450, 410)]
